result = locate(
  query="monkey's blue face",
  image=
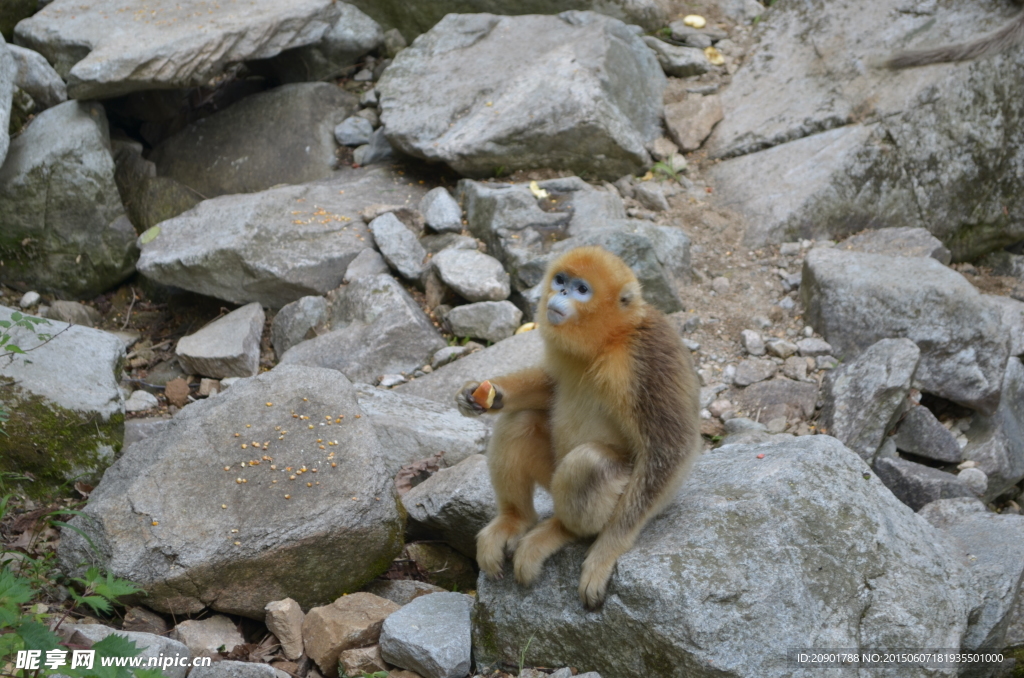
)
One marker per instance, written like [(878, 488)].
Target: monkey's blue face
[(566, 292)]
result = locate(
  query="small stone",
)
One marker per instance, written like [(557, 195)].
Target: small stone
[(720, 407), (970, 463), (781, 348), (389, 380), (73, 313), (367, 262), (789, 249), (662, 149), (176, 391), (920, 433), (449, 354), (743, 424), (141, 620), (399, 245), (205, 636), (787, 304), (362, 661), (975, 479), (228, 382), (761, 322), (29, 299), (353, 131), (284, 619), (690, 121), (349, 622), (440, 211), (378, 150), (394, 42), (752, 342), (777, 425), (795, 368), (814, 347), (473, 275), (365, 75), (826, 362), (752, 371), (401, 591), (691, 344), (729, 374), (720, 285), (227, 347), (208, 387), (650, 195), (489, 320), (140, 401), (808, 331), (368, 98), (431, 635), (371, 115)]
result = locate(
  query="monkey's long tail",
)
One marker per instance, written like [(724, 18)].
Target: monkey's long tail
[(1006, 37)]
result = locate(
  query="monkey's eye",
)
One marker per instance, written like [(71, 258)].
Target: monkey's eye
[(581, 290), (558, 282)]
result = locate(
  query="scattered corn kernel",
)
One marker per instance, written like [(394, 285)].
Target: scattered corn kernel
[(227, 468), (270, 404), (223, 505), (155, 522), (287, 496), (291, 477), (333, 464), (309, 484), (238, 435)]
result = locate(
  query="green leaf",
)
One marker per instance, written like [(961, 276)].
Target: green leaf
[(16, 316), (97, 603), (37, 636), (113, 588), (10, 644), (83, 535), (116, 646), (149, 235), (13, 349), (5, 323), (14, 590)]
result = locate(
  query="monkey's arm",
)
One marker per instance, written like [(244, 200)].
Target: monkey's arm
[(530, 389)]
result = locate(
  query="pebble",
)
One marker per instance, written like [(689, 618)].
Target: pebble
[(353, 131), (729, 374), (389, 380), (365, 75), (29, 299), (777, 425), (368, 98), (808, 331), (787, 304), (371, 115), (720, 285), (789, 249), (813, 347), (761, 321), (826, 362), (752, 342), (691, 344), (140, 401), (781, 348), (795, 368), (720, 407)]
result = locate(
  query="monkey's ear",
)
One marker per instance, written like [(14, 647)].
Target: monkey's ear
[(629, 294)]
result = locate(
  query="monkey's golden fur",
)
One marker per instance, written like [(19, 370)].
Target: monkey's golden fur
[(609, 425)]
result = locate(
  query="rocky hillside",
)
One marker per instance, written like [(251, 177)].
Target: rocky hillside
[(248, 254)]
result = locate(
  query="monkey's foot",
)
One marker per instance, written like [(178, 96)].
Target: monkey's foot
[(501, 533), (594, 580), (536, 547)]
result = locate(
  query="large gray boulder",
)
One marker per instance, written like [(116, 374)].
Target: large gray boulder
[(996, 443), (511, 355), (275, 246), (864, 397), (66, 411), (802, 548), (8, 73), (352, 36), (525, 233), (412, 428), (295, 128), (111, 49), (415, 18), (855, 299), (576, 91), (868, 147), (991, 547), (165, 514), (62, 224), (377, 329)]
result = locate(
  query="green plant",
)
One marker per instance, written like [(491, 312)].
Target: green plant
[(8, 349), (522, 654), (667, 170), (24, 582)]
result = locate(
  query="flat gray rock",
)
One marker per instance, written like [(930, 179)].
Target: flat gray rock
[(455, 503), (275, 246), (440, 211), (778, 397), (298, 321), (294, 123), (412, 20), (353, 131), (917, 485), (152, 646), (227, 347), (863, 398), (996, 443), (473, 275), (164, 514), (352, 36), (855, 299), (868, 147), (920, 433), (412, 428), (80, 244), (511, 355), (753, 370), (66, 413), (991, 547), (399, 246), (430, 635), (487, 320), (838, 560), (37, 78), (899, 242), (679, 62), (576, 91), (377, 329), (111, 49)]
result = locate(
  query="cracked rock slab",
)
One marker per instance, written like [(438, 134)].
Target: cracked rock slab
[(163, 514), (112, 48)]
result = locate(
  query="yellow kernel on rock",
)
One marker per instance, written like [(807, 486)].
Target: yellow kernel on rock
[(227, 468), (333, 464), (319, 440), (223, 505), (287, 496), (323, 447), (155, 522), (244, 446), (238, 543), (245, 480), (248, 425), (238, 480), (309, 484), (238, 435), (234, 531), (358, 416), (274, 481), (311, 426), (305, 400), (273, 467), (270, 404), (314, 470)]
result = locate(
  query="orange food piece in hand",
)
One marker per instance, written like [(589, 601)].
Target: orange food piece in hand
[(484, 395)]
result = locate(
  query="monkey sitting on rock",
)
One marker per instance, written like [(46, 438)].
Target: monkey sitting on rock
[(1009, 35), (609, 425)]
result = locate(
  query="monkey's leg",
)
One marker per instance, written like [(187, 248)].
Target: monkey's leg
[(518, 457), (586, 487)]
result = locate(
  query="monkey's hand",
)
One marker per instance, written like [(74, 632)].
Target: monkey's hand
[(473, 401)]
